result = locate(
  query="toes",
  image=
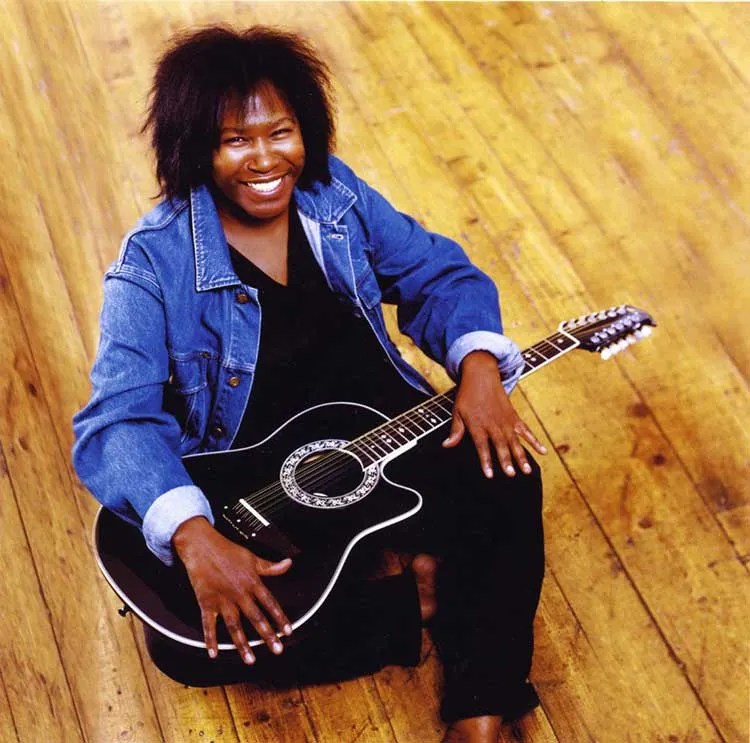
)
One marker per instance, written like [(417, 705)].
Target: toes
[(424, 565)]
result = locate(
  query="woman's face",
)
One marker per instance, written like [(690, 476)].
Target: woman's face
[(260, 155)]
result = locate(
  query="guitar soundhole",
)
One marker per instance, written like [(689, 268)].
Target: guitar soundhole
[(321, 475)]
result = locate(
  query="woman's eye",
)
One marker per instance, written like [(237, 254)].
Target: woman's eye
[(280, 132), (234, 140)]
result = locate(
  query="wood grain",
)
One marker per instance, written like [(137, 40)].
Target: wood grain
[(584, 155)]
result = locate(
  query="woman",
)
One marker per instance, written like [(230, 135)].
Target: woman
[(253, 291)]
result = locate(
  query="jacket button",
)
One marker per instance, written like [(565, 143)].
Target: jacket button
[(234, 381), (217, 431), (242, 298)]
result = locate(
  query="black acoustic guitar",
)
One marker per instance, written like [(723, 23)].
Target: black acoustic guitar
[(311, 491)]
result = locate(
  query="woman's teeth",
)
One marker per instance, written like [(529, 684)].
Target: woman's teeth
[(265, 187)]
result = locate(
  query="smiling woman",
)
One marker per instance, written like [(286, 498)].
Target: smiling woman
[(206, 74), (240, 314), (255, 167), (260, 155)]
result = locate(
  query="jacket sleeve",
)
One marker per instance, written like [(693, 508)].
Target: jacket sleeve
[(126, 449), (446, 305)]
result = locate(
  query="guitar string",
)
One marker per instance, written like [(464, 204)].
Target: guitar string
[(326, 470)]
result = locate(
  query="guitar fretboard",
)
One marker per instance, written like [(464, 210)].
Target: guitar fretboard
[(546, 350), (396, 435)]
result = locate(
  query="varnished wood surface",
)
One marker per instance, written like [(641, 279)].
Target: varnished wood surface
[(584, 155)]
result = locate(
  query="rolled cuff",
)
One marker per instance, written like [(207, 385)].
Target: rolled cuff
[(167, 512), (508, 355)]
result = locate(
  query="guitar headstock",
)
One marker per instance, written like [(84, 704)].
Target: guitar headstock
[(610, 331)]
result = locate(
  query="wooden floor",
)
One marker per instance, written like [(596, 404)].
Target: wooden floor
[(585, 155)]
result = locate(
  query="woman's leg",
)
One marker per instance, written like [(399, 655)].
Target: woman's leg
[(489, 538)]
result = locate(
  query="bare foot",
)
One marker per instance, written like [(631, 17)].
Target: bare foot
[(424, 568), (484, 729)]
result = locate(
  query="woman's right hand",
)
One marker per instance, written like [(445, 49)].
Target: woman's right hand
[(226, 579)]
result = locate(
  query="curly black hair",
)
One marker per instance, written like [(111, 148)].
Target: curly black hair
[(205, 71)]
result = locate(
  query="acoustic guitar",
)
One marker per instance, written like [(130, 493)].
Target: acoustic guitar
[(312, 490)]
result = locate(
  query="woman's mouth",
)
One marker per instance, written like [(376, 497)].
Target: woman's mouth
[(265, 187)]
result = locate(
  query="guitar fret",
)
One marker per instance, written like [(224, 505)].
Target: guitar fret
[(533, 358), (414, 424), (373, 445), (547, 349), (445, 408), (384, 439), (362, 453), (397, 431), (411, 425)]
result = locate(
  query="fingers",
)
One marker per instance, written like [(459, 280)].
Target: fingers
[(456, 433), (234, 627), (481, 444), (250, 600), (232, 616), (523, 430), (237, 633), (274, 610), (208, 619), (266, 598), (266, 567), (507, 446), (261, 625)]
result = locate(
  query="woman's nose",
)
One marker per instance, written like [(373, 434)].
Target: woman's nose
[(261, 158)]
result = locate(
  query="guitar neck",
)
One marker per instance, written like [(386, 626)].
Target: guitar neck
[(395, 436)]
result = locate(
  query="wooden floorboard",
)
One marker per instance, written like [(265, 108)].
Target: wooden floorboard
[(584, 155)]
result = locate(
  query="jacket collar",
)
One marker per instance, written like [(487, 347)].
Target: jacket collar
[(213, 266), (325, 203)]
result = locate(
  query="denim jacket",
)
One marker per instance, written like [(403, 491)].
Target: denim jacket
[(180, 333)]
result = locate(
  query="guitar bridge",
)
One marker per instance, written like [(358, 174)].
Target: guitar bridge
[(262, 536)]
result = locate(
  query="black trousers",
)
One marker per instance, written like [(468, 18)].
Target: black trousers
[(488, 536)]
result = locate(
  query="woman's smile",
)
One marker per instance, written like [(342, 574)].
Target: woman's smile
[(264, 187), (259, 158)]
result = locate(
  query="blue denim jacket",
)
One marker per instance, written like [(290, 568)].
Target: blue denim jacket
[(180, 332)]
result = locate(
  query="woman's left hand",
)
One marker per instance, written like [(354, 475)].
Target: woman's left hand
[(484, 409)]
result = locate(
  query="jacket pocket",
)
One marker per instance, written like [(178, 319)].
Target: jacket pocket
[(186, 394)]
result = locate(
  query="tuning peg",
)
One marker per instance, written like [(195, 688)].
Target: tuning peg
[(607, 353), (643, 332)]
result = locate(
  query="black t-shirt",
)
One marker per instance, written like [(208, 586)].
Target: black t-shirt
[(312, 348)]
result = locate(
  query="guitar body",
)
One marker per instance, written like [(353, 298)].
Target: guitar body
[(294, 494)]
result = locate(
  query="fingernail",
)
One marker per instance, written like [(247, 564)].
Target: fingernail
[(509, 470), (488, 472), (527, 469), (287, 629), (248, 658), (212, 653), (277, 647)]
